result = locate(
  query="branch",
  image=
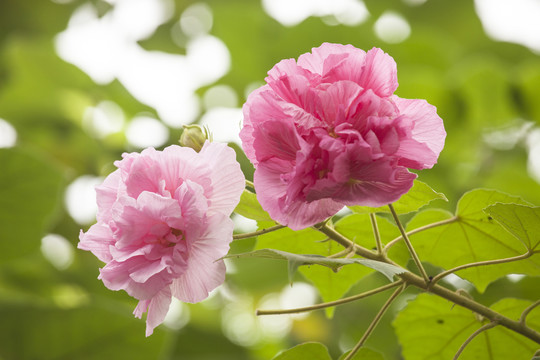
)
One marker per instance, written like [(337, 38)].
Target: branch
[(331, 303), (480, 263), (376, 233), (257, 233), (417, 281), (473, 335), (526, 312), (250, 184), (409, 245), (375, 321)]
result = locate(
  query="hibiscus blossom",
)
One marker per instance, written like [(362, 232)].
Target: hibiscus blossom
[(328, 131), (162, 224)]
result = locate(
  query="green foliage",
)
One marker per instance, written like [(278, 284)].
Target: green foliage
[(331, 285), (431, 328), (522, 221), (315, 351), (296, 260), (471, 236), (418, 196), (29, 194), (250, 207)]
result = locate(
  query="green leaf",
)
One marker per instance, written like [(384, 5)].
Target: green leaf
[(47, 332), (29, 195), (249, 207), (364, 354), (310, 350), (296, 260), (418, 196), (431, 328), (358, 227), (522, 221), (331, 285), (472, 236)]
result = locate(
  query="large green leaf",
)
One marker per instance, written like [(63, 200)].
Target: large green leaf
[(418, 196), (331, 285), (472, 236), (310, 350), (431, 328), (90, 332), (249, 207), (522, 221), (29, 194), (297, 260)]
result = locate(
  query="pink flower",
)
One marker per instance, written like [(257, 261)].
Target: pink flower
[(327, 131), (162, 222)]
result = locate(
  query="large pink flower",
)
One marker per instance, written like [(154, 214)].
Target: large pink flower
[(162, 222), (327, 131)]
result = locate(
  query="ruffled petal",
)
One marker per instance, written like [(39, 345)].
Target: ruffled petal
[(226, 176), (427, 128), (379, 73), (98, 239), (157, 308)]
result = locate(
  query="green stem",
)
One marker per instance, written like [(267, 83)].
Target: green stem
[(257, 233), (473, 335), (331, 303), (417, 281), (480, 263), (526, 312), (373, 219), (250, 184), (409, 245), (420, 229), (375, 322)]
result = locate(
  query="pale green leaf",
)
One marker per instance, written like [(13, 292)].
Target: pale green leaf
[(471, 236), (297, 260), (29, 195), (331, 285), (418, 196), (249, 207), (310, 350), (432, 328), (522, 221)]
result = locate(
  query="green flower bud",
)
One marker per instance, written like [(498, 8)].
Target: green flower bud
[(194, 136)]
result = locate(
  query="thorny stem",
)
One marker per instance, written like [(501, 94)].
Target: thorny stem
[(375, 321), (473, 335), (526, 312), (409, 245), (331, 303), (420, 229), (480, 263), (257, 233), (376, 232), (419, 282)]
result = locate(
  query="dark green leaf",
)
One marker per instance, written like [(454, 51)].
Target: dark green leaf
[(29, 195), (418, 196)]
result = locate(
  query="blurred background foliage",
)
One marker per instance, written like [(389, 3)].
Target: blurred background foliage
[(130, 73)]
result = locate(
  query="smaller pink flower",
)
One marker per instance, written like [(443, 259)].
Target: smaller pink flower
[(328, 131), (163, 224)]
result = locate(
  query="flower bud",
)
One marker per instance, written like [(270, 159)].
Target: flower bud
[(194, 136)]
